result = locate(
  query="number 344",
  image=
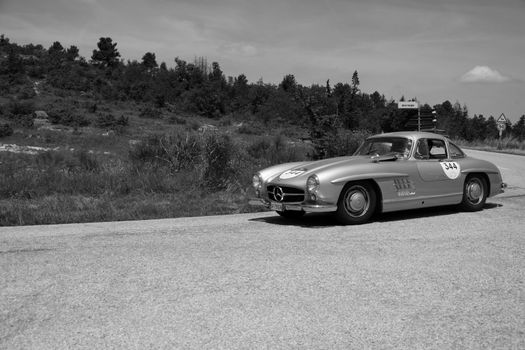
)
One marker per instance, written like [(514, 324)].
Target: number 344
[(450, 166)]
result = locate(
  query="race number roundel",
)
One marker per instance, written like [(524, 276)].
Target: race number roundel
[(451, 169), (291, 173)]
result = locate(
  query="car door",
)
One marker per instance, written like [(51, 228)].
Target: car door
[(440, 176)]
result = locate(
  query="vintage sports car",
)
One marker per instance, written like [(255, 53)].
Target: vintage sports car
[(388, 172)]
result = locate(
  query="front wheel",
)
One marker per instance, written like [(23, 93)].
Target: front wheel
[(356, 204), (474, 193)]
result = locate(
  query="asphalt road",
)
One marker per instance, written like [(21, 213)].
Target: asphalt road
[(426, 279)]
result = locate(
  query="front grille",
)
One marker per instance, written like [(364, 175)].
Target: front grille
[(285, 194)]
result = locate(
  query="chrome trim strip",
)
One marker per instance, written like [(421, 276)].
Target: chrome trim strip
[(309, 208)]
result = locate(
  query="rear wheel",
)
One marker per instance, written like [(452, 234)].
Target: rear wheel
[(356, 204), (474, 193), (291, 214)]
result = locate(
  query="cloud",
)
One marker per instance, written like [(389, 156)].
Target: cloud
[(484, 74), (239, 49)]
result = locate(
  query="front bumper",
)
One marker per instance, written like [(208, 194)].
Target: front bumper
[(306, 207)]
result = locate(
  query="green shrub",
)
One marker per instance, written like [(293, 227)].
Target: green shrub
[(26, 93), (23, 120), (249, 130), (87, 161), (67, 118), (149, 112), (20, 108), (6, 130), (176, 151), (176, 120), (276, 149), (221, 161), (260, 148), (108, 121)]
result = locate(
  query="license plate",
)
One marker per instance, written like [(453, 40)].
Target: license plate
[(276, 206)]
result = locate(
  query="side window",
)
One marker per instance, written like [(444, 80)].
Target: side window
[(437, 149), (455, 151), (430, 149), (421, 149)]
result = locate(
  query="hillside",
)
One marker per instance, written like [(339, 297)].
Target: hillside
[(106, 140)]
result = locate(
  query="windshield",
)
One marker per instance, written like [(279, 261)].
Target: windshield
[(398, 146)]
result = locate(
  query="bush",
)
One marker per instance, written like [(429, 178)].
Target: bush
[(213, 160), (250, 130), (175, 151), (149, 112), (67, 118), (108, 121), (5, 130), (176, 120), (20, 108), (220, 154), (331, 140), (276, 150), (87, 161), (26, 93)]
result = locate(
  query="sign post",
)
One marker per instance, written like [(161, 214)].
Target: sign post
[(502, 125), (411, 105)]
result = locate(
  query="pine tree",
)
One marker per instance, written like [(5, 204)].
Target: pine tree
[(107, 54), (149, 61), (518, 130)]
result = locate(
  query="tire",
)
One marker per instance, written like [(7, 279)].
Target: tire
[(357, 203), (475, 192), (291, 214)]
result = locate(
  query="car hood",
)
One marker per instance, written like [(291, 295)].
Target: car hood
[(296, 174)]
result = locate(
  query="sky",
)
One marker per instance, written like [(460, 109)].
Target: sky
[(466, 51)]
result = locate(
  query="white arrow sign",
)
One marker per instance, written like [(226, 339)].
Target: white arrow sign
[(408, 105)]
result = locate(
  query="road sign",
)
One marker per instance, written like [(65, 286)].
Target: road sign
[(408, 105), (502, 119), (501, 122)]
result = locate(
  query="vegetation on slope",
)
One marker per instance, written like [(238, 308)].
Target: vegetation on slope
[(110, 140)]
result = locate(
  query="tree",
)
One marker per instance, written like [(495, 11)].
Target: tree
[(355, 83), (342, 93), (240, 92), (491, 128), (55, 48), (107, 54), (216, 73), (378, 100), (288, 84), (477, 128), (149, 61), (3, 40), (328, 89), (518, 130), (72, 53), (56, 53)]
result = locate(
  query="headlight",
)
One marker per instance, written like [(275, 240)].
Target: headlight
[(256, 181), (312, 184)]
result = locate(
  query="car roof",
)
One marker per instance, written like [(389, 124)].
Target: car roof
[(414, 135)]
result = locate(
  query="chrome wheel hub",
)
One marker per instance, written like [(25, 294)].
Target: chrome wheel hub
[(474, 191), (357, 201)]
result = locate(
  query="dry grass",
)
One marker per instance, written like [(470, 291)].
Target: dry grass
[(509, 145), (85, 177)]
